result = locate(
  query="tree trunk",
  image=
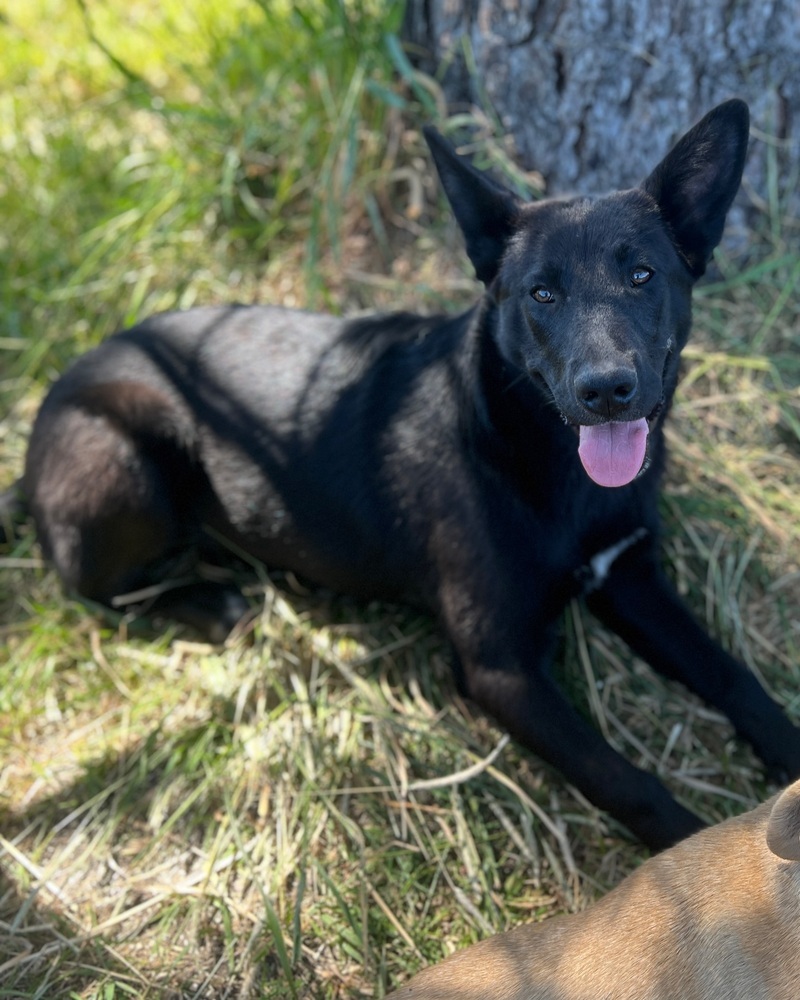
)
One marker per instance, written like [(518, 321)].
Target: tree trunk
[(594, 92)]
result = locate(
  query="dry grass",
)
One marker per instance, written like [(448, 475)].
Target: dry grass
[(310, 811)]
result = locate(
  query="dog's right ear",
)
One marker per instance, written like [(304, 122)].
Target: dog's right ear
[(486, 212), (783, 829)]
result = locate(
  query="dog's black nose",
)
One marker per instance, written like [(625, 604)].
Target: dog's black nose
[(606, 392)]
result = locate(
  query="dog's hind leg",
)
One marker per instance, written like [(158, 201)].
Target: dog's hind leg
[(118, 500), (640, 604)]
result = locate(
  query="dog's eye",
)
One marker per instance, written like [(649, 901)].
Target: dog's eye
[(542, 295), (641, 275)]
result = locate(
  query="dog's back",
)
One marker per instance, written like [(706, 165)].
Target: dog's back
[(716, 917), (287, 432)]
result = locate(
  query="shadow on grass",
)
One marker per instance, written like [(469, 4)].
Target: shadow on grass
[(178, 865), (104, 881)]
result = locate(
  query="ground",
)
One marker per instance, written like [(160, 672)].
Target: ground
[(310, 811)]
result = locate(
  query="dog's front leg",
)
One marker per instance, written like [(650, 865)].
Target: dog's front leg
[(639, 603), (525, 700)]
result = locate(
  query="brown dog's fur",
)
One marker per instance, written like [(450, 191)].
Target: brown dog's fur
[(717, 917)]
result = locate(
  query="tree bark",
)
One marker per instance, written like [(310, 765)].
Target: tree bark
[(594, 92)]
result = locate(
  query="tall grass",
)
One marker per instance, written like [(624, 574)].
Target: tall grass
[(155, 154)]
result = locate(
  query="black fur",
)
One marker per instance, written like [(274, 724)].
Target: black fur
[(431, 459)]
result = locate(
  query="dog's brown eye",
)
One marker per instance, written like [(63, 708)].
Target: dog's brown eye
[(640, 275), (542, 295)]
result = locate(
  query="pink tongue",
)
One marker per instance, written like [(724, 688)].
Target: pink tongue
[(613, 453)]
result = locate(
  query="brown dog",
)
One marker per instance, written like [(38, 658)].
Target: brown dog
[(717, 917)]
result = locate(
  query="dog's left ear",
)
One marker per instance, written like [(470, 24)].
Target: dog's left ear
[(486, 212), (783, 829), (696, 182)]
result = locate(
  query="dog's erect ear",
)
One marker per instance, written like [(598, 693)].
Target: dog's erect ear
[(486, 211), (696, 182), (783, 829)]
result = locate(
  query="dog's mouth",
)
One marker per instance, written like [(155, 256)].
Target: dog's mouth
[(613, 454), (616, 452)]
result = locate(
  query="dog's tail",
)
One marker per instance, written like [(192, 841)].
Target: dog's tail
[(783, 829), (13, 512)]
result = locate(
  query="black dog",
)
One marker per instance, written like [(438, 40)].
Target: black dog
[(490, 465)]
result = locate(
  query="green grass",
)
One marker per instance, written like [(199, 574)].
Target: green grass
[(287, 816)]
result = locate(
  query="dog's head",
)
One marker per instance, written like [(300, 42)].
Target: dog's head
[(592, 295)]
